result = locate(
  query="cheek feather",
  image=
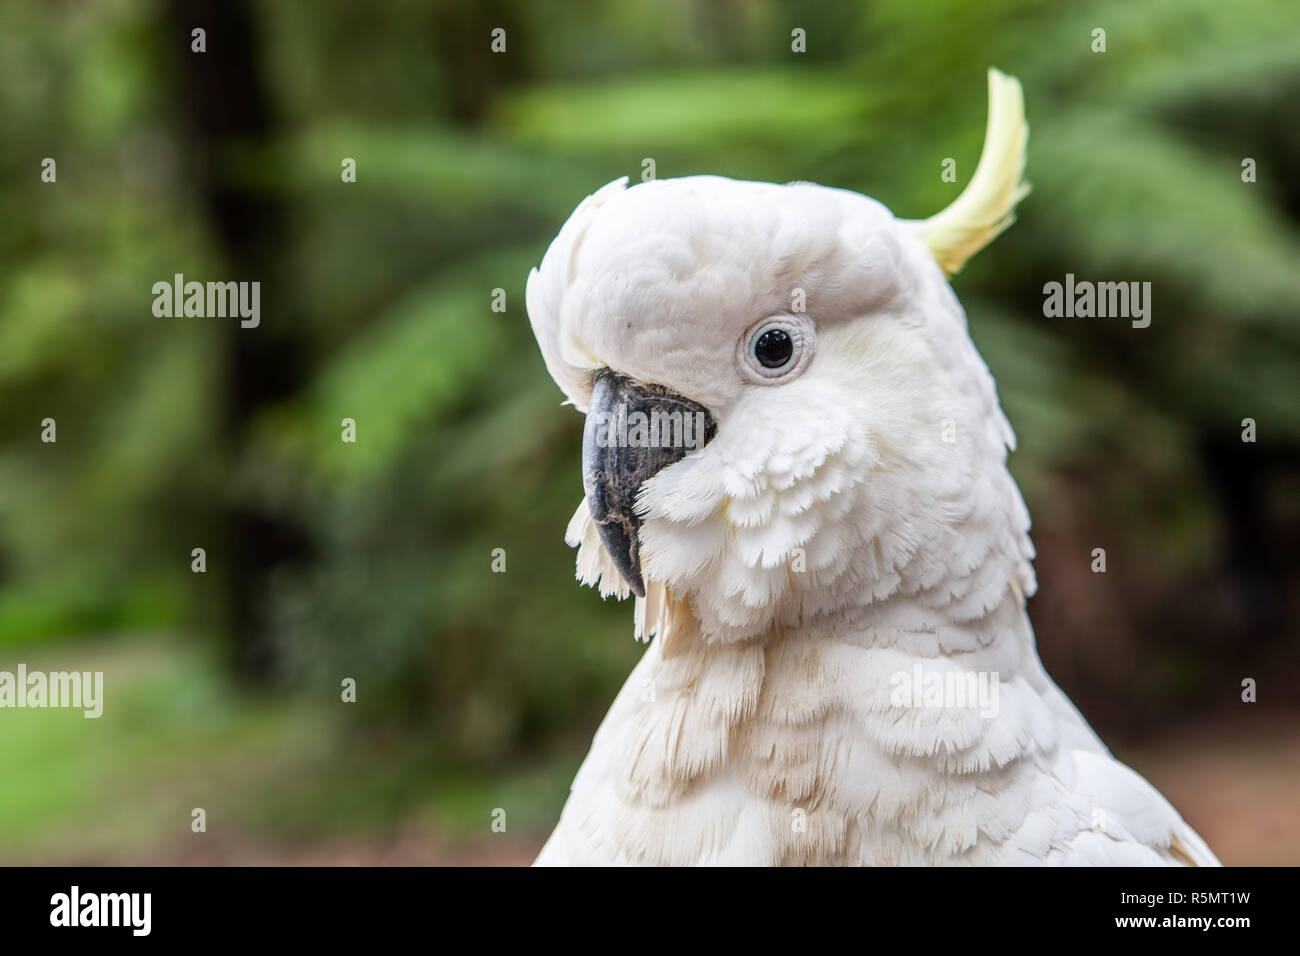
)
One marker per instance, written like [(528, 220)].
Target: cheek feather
[(819, 495)]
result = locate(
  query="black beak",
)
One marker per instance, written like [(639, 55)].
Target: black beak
[(633, 431)]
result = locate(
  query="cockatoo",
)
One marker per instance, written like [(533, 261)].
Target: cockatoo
[(795, 458)]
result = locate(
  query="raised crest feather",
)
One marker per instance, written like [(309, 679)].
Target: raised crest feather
[(987, 205)]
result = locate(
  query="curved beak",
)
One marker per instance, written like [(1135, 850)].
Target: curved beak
[(633, 432)]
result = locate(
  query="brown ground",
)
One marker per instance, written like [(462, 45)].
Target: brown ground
[(1239, 787)]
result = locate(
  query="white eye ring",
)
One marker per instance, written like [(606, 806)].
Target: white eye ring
[(802, 338)]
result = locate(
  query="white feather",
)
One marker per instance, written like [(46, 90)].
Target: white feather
[(842, 529)]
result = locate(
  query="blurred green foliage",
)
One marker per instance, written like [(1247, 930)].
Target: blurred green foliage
[(468, 163)]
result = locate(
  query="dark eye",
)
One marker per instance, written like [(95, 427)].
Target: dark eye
[(776, 349), (773, 348)]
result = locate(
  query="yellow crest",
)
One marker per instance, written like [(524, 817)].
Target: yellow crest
[(987, 205)]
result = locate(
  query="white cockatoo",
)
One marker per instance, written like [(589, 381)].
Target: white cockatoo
[(829, 556)]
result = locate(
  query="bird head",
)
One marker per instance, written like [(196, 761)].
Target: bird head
[(786, 416)]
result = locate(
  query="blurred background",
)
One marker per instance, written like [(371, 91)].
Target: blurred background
[(326, 560)]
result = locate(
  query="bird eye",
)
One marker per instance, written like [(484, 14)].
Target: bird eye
[(776, 349)]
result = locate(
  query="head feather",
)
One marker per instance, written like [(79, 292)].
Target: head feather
[(987, 205)]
